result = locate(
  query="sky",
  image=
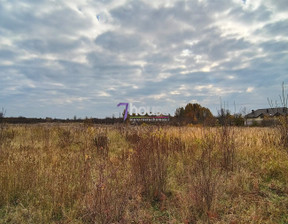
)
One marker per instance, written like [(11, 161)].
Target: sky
[(64, 58)]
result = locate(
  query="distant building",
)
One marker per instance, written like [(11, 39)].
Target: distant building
[(258, 117)]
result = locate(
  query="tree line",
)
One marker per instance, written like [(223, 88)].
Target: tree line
[(191, 114), (196, 114)]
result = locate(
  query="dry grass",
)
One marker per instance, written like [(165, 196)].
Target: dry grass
[(104, 174)]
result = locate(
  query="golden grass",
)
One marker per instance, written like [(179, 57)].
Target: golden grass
[(68, 174)]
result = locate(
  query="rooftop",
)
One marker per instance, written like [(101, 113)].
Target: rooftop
[(268, 112)]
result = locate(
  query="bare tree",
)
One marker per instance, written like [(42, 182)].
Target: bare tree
[(283, 119), (2, 124), (2, 113)]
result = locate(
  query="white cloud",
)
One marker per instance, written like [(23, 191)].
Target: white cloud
[(249, 89), (101, 52)]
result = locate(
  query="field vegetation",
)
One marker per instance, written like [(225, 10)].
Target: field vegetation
[(83, 173)]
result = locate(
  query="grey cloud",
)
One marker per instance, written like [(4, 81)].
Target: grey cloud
[(217, 47), (14, 20), (159, 58), (98, 58), (25, 20), (268, 70), (262, 13), (137, 56), (45, 46), (118, 42), (108, 66), (275, 46), (69, 21), (280, 5), (137, 15), (274, 29), (7, 54), (177, 38), (161, 21)]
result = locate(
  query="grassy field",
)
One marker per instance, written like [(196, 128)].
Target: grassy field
[(116, 174)]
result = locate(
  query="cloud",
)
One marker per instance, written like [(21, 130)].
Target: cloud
[(61, 58), (280, 5), (118, 42), (275, 46), (279, 28), (49, 46), (6, 54)]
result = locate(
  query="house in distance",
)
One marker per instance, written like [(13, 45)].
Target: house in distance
[(266, 116)]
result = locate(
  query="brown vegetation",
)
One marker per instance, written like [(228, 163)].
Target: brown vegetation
[(79, 173)]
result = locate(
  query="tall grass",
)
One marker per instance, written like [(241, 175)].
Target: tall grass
[(105, 174)]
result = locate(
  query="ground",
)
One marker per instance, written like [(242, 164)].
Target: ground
[(84, 173)]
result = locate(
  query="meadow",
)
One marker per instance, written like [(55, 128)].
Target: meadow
[(84, 173)]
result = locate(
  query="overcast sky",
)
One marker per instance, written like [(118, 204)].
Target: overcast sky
[(61, 58)]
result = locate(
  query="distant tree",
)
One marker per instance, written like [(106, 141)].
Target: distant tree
[(127, 121), (2, 123), (191, 111), (224, 117), (180, 112), (282, 120), (238, 119), (195, 114), (2, 113)]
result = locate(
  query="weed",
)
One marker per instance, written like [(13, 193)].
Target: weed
[(75, 173)]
